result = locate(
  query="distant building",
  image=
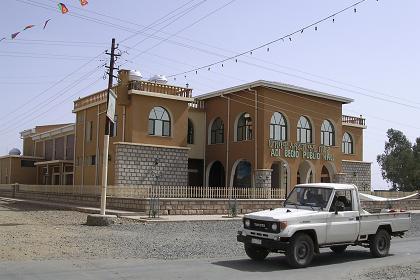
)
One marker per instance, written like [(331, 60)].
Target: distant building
[(47, 157)]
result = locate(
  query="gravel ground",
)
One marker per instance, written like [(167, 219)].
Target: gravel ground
[(29, 232), (400, 272)]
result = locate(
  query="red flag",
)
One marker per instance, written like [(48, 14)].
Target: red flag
[(29, 26), (46, 22), (15, 34), (63, 8), (83, 2)]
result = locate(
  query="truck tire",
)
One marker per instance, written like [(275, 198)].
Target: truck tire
[(300, 251), (380, 243), (339, 249), (256, 253)]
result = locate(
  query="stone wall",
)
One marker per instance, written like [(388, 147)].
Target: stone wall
[(183, 206), (358, 173), (137, 164)]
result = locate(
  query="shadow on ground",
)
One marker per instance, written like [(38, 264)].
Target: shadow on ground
[(279, 262), (24, 206)]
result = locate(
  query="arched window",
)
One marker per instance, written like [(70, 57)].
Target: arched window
[(347, 145), (278, 127), (159, 122), (243, 174), (190, 132), (217, 132), (327, 134), (304, 130), (244, 128)]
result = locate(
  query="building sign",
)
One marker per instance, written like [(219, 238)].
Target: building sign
[(110, 112), (297, 150)]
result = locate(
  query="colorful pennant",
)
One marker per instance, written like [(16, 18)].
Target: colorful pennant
[(45, 23), (28, 26), (14, 35), (63, 9)]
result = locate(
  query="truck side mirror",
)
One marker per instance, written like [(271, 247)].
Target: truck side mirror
[(339, 207)]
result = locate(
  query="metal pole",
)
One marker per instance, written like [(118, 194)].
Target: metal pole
[(104, 174), (106, 136)]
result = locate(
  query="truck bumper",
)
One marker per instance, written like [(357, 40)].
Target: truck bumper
[(269, 244)]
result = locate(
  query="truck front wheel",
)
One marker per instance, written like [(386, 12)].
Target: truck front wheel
[(300, 251), (256, 253), (380, 243)]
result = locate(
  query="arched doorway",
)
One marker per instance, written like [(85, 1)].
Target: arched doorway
[(242, 177), (216, 177), (325, 175), (280, 176), (305, 173)]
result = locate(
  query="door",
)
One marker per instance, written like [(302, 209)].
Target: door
[(343, 226)]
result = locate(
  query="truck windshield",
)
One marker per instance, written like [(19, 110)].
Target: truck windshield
[(308, 197)]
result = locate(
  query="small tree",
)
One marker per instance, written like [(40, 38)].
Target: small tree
[(400, 162)]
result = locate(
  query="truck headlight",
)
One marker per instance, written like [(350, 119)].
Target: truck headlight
[(247, 223), (274, 226)]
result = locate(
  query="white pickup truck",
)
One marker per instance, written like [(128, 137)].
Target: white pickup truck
[(317, 216)]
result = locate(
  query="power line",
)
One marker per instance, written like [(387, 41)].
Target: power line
[(44, 103), (61, 80), (188, 26), (287, 36)]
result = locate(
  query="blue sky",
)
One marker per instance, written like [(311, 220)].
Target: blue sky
[(375, 48)]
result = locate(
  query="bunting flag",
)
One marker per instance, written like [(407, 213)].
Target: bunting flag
[(28, 26), (83, 2), (14, 35), (63, 9), (45, 23)]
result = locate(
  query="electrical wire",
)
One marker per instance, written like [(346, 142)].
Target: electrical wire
[(300, 30)]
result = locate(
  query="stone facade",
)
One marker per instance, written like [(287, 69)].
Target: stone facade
[(358, 173), (263, 178), (137, 164)]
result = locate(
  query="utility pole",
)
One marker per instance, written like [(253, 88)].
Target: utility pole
[(109, 117), (101, 219)]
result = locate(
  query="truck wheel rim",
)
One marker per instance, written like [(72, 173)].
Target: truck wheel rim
[(382, 244), (302, 251)]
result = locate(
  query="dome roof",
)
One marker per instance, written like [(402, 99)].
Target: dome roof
[(14, 152)]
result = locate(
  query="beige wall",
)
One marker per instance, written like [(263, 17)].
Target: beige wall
[(198, 119), (28, 146), (12, 172), (357, 135)]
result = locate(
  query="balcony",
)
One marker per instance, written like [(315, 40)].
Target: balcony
[(95, 98), (354, 121), (160, 88)]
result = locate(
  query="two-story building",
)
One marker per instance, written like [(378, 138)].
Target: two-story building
[(260, 134)]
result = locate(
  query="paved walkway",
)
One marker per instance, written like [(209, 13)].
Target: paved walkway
[(125, 214)]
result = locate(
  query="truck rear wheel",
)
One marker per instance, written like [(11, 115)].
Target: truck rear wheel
[(380, 243), (339, 249), (300, 251), (256, 253)]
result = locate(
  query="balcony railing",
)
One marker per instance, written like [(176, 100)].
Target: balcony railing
[(353, 120), (93, 98), (160, 88), (197, 104)]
